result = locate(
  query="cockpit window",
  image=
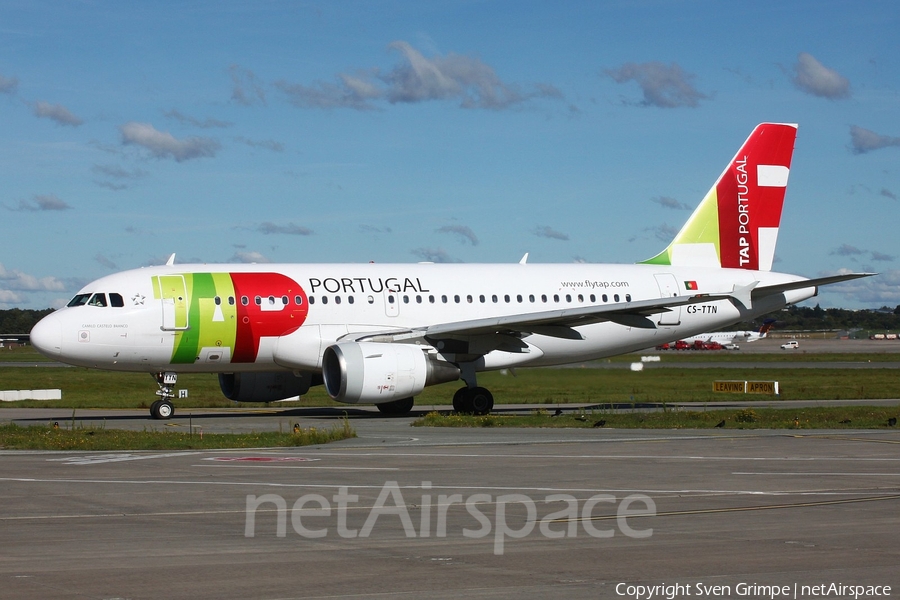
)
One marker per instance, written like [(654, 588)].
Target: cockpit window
[(116, 300), (97, 300), (79, 300)]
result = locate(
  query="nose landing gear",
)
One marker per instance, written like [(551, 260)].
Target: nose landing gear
[(162, 408)]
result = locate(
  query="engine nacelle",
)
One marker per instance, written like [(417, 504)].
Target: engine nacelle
[(264, 387), (373, 373)]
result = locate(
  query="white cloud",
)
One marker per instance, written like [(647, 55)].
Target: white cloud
[(41, 202), (464, 233), (207, 123), (546, 231), (163, 144), (667, 202), (8, 85), (56, 112), (266, 144), (269, 228), (435, 255), (864, 140), (17, 280), (418, 79), (246, 88), (248, 257), (882, 289), (663, 86), (814, 78)]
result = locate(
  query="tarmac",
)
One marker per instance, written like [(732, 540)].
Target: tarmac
[(445, 513), (403, 512)]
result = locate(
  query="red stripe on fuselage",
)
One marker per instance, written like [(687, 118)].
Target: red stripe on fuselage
[(271, 317)]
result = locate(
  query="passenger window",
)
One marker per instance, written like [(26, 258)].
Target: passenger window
[(519, 298), (531, 298), (371, 299), (593, 298), (556, 297), (324, 299), (390, 298), (405, 299), (456, 299), (418, 299), (258, 301), (217, 300), (482, 298), (97, 300), (350, 299), (580, 298), (616, 297), (444, 299), (312, 299), (337, 299), (494, 299), (298, 300), (469, 298), (506, 298), (271, 300), (605, 298), (245, 300), (284, 301), (431, 299), (627, 297), (543, 297), (116, 301), (230, 300), (568, 297)]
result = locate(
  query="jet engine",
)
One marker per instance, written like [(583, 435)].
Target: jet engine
[(264, 387), (375, 373)]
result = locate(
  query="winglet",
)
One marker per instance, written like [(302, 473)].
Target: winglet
[(171, 260), (524, 259)]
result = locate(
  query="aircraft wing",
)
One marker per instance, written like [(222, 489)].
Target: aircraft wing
[(560, 322)]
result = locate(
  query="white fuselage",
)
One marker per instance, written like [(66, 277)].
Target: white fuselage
[(197, 318)]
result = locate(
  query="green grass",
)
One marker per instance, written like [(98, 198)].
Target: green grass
[(87, 388), (857, 417), (92, 438)]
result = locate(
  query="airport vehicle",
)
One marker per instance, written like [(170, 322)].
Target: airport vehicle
[(790, 345), (379, 333)]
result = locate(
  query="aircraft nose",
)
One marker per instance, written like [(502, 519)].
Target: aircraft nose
[(46, 336)]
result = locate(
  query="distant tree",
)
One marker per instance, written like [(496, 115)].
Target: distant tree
[(18, 320)]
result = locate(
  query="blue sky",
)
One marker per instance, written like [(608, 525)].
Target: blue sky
[(469, 131)]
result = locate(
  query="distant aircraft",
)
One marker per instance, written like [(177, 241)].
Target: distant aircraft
[(733, 337), (378, 334)]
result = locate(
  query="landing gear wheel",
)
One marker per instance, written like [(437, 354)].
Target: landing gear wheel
[(162, 409), (397, 407), (460, 401), (481, 401)]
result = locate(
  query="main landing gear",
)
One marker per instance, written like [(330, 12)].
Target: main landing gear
[(162, 408), (475, 400), (472, 398)]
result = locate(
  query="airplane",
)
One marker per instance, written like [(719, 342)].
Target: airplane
[(733, 337), (379, 333)]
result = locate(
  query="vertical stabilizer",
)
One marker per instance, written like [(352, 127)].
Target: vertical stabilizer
[(736, 223)]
